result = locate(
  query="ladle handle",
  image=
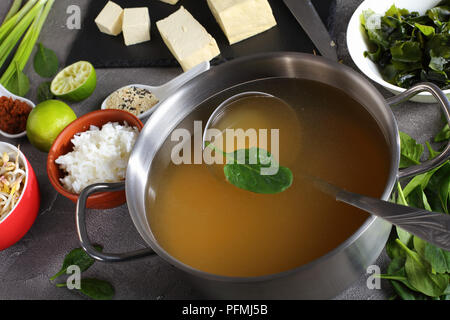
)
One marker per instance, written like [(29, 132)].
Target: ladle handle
[(82, 230), (441, 98), (173, 85), (432, 227)]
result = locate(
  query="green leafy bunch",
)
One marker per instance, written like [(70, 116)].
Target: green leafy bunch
[(419, 270), (408, 47)]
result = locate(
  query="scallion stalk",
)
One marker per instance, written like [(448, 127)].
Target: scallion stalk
[(9, 25), (15, 7), (27, 44), (13, 38)]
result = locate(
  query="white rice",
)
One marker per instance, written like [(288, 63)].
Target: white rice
[(99, 155)]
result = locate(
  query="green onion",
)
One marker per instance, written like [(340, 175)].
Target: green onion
[(14, 9), (11, 40), (28, 42), (9, 25)]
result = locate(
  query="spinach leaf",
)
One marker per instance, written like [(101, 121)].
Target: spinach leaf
[(97, 289), (418, 199), (19, 83), (419, 246), (43, 92), (393, 250), (420, 180), (404, 236), (244, 170), (443, 135), (411, 151), (45, 62), (405, 293), (419, 274), (439, 259), (440, 183), (77, 257), (94, 288), (252, 170)]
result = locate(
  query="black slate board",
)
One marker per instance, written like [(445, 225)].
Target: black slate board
[(107, 51)]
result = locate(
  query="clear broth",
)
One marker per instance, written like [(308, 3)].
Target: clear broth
[(213, 226)]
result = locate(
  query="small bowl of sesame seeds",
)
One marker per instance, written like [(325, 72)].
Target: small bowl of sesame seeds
[(142, 100), (135, 99)]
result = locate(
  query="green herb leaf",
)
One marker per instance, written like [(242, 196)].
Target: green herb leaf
[(244, 170), (440, 184), (405, 293), (97, 289), (393, 250), (411, 151), (420, 276), (77, 257), (439, 259), (19, 83), (94, 288), (45, 62), (419, 246), (44, 93)]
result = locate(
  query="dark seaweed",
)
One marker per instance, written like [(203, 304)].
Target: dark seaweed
[(409, 48)]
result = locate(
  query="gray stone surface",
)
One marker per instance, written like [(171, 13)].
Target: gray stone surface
[(26, 267)]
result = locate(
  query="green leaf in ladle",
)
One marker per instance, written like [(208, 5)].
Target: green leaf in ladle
[(245, 169)]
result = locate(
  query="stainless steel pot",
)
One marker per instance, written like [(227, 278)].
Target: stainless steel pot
[(323, 278)]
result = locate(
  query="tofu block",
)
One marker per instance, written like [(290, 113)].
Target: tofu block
[(187, 39), (170, 1), (242, 19), (109, 20), (136, 25)]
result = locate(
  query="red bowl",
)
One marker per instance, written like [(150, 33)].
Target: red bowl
[(63, 145), (20, 219)]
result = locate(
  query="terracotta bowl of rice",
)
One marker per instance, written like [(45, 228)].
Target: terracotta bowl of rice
[(93, 149)]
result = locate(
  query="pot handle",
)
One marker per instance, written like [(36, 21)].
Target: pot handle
[(445, 106), (82, 230)]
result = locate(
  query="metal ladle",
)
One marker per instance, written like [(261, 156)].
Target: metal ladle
[(432, 227)]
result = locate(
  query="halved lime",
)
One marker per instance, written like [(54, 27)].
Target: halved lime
[(75, 82)]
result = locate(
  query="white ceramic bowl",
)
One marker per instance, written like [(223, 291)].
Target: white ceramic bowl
[(357, 41), (6, 93)]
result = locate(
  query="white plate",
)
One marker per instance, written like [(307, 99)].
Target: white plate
[(357, 41), (6, 93)]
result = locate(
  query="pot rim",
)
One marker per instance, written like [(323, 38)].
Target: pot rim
[(389, 186)]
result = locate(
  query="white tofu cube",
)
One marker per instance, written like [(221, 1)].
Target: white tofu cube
[(136, 25), (242, 19), (109, 20), (187, 39), (170, 1)]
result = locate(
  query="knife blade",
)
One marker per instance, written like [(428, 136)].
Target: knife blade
[(307, 16)]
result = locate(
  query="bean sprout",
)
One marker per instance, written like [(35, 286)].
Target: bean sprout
[(12, 180)]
